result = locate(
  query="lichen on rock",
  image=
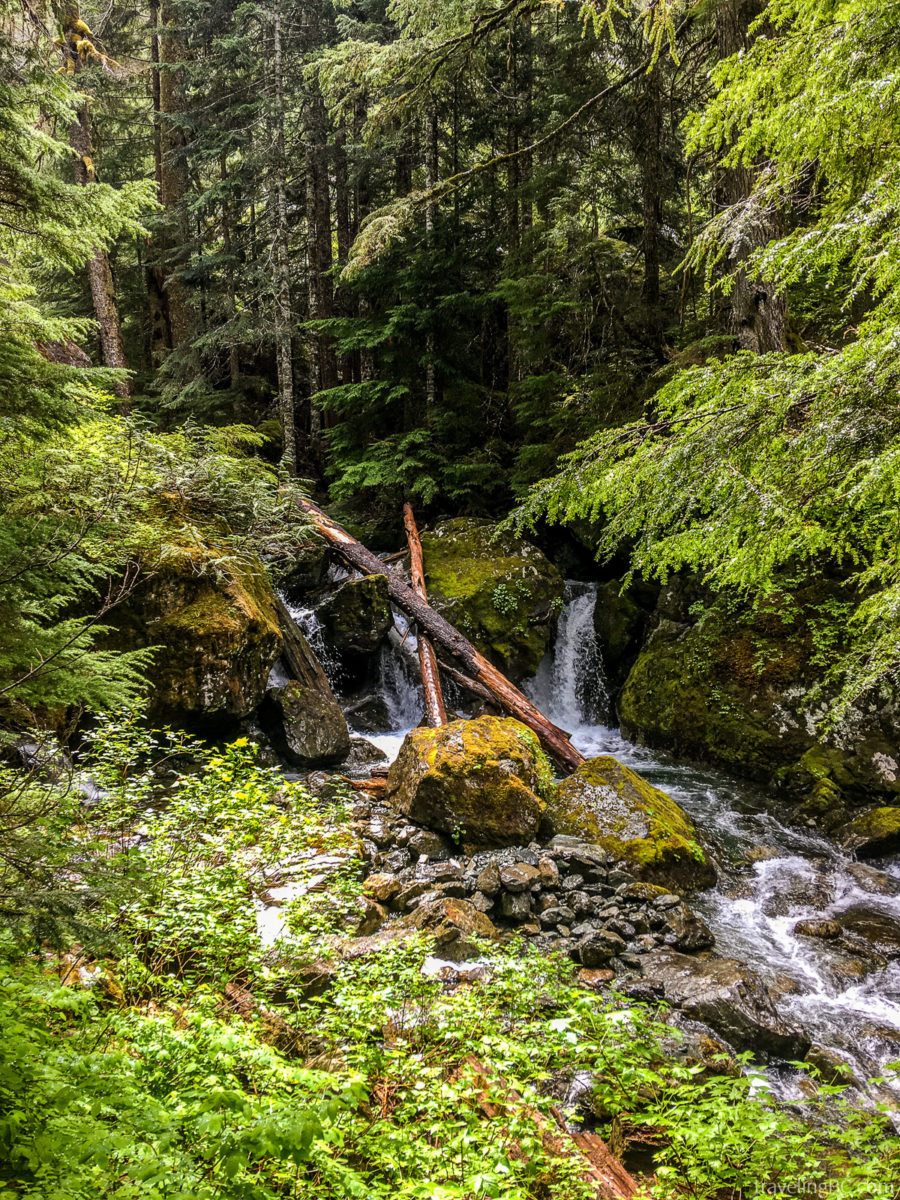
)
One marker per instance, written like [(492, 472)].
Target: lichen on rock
[(607, 803), (502, 592), (873, 833), (477, 781)]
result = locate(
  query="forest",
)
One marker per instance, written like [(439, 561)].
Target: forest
[(449, 599)]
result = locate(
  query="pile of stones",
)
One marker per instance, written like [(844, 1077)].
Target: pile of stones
[(569, 895)]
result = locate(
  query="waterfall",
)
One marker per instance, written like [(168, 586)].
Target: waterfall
[(570, 687), (308, 623), (758, 903), (402, 696)]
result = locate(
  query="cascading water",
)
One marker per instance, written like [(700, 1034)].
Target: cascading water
[(570, 687), (306, 620), (401, 693), (771, 875)]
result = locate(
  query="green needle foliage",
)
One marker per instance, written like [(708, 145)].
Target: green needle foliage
[(761, 469)]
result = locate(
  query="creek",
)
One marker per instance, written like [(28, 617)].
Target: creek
[(771, 875)]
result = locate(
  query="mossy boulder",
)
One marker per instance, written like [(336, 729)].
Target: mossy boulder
[(607, 803), (873, 833), (356, 618), (477, 781), (733, 689), (307, 724), (214, 621), (500, 591)]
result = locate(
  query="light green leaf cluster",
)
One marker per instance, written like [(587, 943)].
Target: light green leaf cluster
[(755, 470)]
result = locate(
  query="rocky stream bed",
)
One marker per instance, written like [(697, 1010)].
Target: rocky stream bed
[(793, 955)]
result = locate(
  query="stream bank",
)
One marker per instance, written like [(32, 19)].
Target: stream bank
[(795, 953)]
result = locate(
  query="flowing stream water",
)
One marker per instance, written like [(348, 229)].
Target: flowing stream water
[(771, 874)]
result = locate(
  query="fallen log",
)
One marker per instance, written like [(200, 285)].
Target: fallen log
[(599, 1166), (439, 630), (465, 682), (435, 712)]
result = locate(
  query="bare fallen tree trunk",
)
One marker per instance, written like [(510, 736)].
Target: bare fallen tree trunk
[(435, 711), (554, 740), (465, 682), (599, 1166)]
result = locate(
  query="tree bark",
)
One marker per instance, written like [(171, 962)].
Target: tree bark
[(651, 200), (103, 291), (439, 630), (298, 654), (283, 353), (431, 181), (157, 298), (435, 711), (758, 316), (175, 236)]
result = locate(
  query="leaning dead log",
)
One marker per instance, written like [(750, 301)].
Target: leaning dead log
[(298, 654), (435, 712), (465, 682), (599, 1167), (440, 631)]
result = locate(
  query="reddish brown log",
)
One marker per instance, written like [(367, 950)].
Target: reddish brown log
[(435, 711), (599, 1165), (439, 630)]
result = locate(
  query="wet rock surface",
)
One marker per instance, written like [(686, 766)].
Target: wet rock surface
[(874, 833), (307, 724), (727, 995), (356, 618)]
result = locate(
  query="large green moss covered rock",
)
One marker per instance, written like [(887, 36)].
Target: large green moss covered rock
[(607, 803), (732, 689), (695, 691), (873, 833), (217, 632), (356, 618), (502, 592), (477, 781)]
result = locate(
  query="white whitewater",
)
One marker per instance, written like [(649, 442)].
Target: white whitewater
[(757, 904)]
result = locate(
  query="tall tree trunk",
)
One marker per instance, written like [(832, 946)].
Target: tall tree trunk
[(157, 297), (175, 235), (284, 356), (758, 316), (431, 181), (651, 199), (234, 364), (103, 292), (322, 361)]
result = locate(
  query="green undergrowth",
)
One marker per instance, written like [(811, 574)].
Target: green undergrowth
[(193, 1059)]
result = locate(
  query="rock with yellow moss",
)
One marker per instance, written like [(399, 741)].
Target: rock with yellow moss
[(477, 781), (609, 804), (216, 627), (502, 592)]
